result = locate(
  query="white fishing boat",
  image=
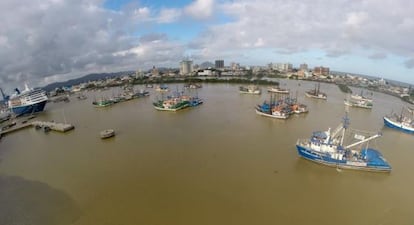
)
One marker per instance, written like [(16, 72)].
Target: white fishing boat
[(251, 89)]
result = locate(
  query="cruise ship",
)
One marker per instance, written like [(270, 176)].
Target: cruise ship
[(28, 101)]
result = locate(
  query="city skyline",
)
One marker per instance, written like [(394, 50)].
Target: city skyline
[(43, 42)]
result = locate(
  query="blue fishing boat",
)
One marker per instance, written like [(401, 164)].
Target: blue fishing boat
[(327, 148), (195, 101), (403, 122)]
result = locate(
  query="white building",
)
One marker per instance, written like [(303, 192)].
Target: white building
[(206, 72), (282, 67), (186, 67)]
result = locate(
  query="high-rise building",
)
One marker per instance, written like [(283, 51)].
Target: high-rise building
[(235, 66), (303, 67), (186, 67), (320, 70), (219, 64), (282, 67), (154, 71)]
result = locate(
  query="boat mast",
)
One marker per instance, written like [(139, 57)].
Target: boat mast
[(345, 124), (317, 93), (363, 141)]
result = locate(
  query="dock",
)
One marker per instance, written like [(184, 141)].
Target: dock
[(60, 127)]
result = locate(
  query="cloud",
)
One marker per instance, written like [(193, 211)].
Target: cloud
[(49, 40), (200, 9), (336, 28), (409, 63), (378, 55), (169, 15)]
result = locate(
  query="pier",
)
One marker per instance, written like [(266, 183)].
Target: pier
[(60, 127)]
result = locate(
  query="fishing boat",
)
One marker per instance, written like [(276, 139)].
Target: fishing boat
[(162, 88), (28, 101), (294, 106), (171, 104), (361, 97), (358, 103), (140, 93), (403, 121), (193, 101), (103, 102), (195, 86), (273, 109), (298, 108), (251, 89), (316, 93), (272, 112), (328, 148), (277, 89), (192, 85)]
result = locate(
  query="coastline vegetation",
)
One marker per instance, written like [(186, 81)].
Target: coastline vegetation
[(344, 88), (204, 80)]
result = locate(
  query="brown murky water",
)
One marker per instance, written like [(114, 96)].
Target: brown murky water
[(219, 163)]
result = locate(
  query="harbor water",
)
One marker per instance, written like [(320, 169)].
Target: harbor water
[(218, 163)]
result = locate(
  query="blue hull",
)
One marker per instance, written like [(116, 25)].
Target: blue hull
[(195, 103), (390, 125), (38, 107), (376, 162)]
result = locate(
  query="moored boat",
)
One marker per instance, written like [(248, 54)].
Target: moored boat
[(316, 93), (358, 103), (361, 97), (162, 88), (328, 148), (193, 100), (273, 109), (107, 133), (251, 89), (103, 102), (403, 122), (278, 89), (272, 112), (173, 103)]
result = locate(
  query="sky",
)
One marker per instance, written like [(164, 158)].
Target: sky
[(45, 41)]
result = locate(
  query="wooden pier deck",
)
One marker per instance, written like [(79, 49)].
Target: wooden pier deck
[(60, 127)]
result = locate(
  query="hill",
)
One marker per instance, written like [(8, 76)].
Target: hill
[(86, 78)]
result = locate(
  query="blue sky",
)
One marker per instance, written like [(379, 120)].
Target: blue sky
[(43, 42)]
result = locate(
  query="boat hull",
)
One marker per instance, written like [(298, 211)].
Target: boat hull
[(324, 159), (279, 91), (364, 106), (271, 115), (315, 96), (251, 92), (397, 125), (180, 106), (28, 109)]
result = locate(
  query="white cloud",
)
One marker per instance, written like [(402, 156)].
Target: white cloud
[(169, 15), (48, 40), (200, 9), (336, 28)]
